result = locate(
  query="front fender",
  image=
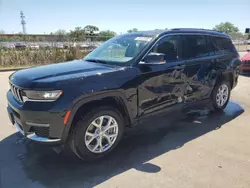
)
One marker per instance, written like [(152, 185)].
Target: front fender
[(93, 97)]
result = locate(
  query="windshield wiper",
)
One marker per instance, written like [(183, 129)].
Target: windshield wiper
[(96, 61)]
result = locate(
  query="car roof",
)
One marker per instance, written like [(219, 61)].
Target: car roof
[(159, 32)]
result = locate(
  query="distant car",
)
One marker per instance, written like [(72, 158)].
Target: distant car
[(20, 45), (34, 46), (88, 47), (5, 45), (245, 65), (66, 46), (59, 46), (46, 46)]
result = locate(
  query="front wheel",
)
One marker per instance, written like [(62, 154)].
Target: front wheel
[(221, 95), (97, 133)]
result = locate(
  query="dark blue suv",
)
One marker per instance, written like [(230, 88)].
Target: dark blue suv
[(88, 103)]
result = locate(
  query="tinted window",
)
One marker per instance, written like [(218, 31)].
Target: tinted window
[(222, 45), (169, 46), (195, 46)]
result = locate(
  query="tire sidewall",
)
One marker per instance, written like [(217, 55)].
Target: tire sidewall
[(79, 144), (215, 105)]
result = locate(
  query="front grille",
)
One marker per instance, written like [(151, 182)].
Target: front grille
[(40, 131), (247, 62), (17, 92)]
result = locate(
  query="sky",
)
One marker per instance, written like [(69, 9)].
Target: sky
[(45, 16)]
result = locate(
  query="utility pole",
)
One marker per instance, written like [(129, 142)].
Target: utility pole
[(23, 22)]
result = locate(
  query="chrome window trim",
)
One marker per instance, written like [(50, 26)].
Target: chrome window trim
[(170, 34)]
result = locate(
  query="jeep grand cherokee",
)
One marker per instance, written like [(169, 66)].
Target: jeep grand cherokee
[(87, 103)]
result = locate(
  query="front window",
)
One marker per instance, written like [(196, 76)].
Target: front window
[(119, 50), (169, 46)]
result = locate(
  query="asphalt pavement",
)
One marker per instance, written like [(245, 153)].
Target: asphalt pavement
[(203, 149)]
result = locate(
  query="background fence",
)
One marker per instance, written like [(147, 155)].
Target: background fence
[(242, 45), (17, 51)]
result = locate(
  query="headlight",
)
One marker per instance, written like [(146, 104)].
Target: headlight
[(29, 95)]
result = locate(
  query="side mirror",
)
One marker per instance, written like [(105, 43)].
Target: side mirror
[(154, 59)]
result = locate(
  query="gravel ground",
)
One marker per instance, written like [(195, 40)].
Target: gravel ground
[(200, 150)]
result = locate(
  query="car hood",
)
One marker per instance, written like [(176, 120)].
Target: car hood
[(58, 72), (246, 57)]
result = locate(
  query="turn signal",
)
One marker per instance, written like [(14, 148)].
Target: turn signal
[(66, 117)]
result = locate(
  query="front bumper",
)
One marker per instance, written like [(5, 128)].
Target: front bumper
[(37, 121), (34, 137), (245, 67)]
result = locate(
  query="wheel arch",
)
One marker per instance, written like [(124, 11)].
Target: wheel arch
[(114, 99), (228, 76)]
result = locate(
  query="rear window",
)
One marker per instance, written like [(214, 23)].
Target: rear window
[(195, 46), (223, 45)]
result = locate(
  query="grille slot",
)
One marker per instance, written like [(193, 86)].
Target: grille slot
[(40, 131), (17, 92)]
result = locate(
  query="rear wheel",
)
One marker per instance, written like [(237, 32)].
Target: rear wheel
[(221, 95), (97, 133)]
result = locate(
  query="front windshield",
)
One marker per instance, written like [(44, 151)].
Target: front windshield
[(119, 50)]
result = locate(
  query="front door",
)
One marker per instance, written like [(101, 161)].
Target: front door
[(162, 85)]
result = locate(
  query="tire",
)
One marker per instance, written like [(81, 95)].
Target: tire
[(78, 135), (219, 106)]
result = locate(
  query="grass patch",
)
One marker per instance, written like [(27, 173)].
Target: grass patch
[(13, 58)]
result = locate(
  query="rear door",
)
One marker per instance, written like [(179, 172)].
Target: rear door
[(224, 49), (199, 56)]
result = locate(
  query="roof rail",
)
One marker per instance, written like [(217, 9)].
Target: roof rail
[(194, 29)]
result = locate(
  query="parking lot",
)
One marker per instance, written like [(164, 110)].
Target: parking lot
[(201, 150)]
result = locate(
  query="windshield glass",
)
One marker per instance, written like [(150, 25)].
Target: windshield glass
[(119, 50)]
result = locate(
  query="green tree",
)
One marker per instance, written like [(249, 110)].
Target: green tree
[(132, 30), (78, 34), (61, 35), (91, 29), (226, 27), (105, 35)]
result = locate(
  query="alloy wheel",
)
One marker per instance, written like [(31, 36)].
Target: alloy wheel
[(222, 95), (101, 134)]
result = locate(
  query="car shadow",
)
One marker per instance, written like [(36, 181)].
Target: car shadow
[(32, 165)]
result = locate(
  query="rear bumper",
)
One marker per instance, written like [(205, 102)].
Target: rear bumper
[(41, 126)]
